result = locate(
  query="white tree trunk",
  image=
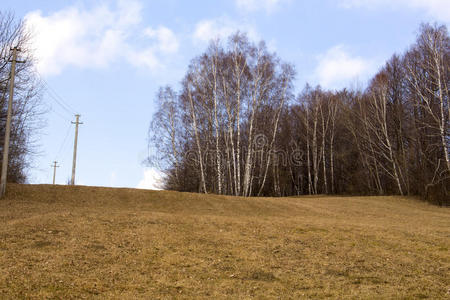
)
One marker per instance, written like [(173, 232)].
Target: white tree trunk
[(197, 140), (216, 125)]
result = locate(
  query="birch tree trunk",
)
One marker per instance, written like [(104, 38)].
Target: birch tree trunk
[(197, 140), (332, 112), (216, 122), (239, 67), (324, 132), (256, 99), (308, 162), (274, 133), (315, 149)]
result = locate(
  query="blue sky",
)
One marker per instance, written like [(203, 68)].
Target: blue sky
[(106, 60)]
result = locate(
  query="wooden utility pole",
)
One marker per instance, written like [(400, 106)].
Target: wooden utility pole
[(74, 164), (8, 124), (54, 171)]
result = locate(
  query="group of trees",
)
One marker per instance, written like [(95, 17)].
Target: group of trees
[(236, 128), (206, 134), (27, 107)]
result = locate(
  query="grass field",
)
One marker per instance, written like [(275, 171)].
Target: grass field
[(85, 242)]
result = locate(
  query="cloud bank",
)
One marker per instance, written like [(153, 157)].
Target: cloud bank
[(439, 9), (269, 6), (338, 68), (222, 28), (97, 37)]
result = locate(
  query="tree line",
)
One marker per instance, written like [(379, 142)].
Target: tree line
[(27, 106), (235, 126)]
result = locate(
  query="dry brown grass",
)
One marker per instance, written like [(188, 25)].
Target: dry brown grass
[(84, 242)]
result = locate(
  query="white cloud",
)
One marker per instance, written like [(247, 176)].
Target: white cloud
[(152, 180), (439, 9), (222, 28), (167, 41), (253, 5), (97, 37), (337, 68)]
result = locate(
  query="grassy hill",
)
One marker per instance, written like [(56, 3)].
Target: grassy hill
[(84, 242)]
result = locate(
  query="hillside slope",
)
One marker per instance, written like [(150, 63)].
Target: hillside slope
[(81, 242)]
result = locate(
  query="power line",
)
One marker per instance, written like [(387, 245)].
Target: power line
[(64, 142), (68, 109), (55, 96), (63, 104), (59, 114), (52, 92)]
